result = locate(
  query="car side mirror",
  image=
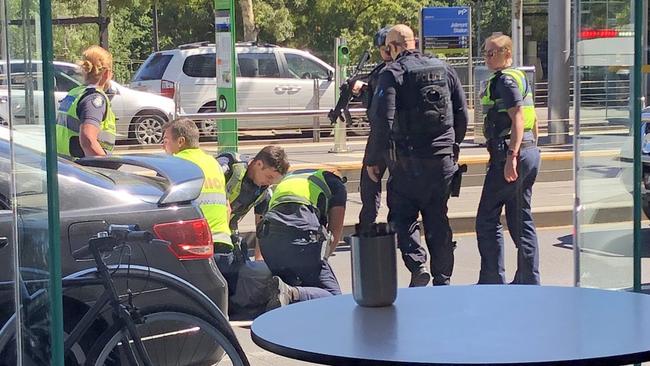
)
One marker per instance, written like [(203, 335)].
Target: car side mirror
[(112, 90), (330, 75)]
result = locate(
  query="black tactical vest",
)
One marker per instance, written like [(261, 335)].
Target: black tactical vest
[(424, 108)]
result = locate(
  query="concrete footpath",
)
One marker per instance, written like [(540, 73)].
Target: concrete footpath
[(552, 194)]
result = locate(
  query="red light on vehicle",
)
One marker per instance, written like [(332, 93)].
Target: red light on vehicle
[(190, 239), (589, 33), (167, 88)]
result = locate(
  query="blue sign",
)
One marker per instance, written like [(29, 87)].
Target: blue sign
[(446, 22)]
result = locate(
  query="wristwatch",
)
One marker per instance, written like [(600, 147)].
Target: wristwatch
[(511, 152)]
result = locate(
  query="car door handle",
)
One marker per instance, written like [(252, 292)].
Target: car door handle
[(3, 241), (281, 88), (294, 89)]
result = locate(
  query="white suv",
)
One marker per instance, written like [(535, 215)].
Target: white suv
[(268, 78)]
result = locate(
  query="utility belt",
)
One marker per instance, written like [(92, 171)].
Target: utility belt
[(498, 147), (405, 157), (320, 237)]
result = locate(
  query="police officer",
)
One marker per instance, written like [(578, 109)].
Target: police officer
[(301, 229), (248, 181), (419, 113), (85, 123), (510, 128), (247, 186), (369, 189)]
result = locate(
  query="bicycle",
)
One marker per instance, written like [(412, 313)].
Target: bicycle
[(157, 335)]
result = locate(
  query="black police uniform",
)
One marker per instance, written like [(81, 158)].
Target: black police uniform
[(515, 196), (370, 190), (288, 237), (419, 113)]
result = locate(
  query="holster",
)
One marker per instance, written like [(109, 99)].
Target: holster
[(498, 148), (457, 180)]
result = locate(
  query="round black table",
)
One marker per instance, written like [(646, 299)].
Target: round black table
[(465, 325)]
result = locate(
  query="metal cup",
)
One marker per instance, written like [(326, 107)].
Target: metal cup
[(374, 265)]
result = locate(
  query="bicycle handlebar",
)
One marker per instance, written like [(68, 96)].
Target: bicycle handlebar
[(106, 241)]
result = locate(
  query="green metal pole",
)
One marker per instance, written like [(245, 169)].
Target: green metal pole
[(224, 29), (54, 260), (636, 98)]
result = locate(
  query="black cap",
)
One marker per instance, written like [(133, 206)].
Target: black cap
[(380, 37)]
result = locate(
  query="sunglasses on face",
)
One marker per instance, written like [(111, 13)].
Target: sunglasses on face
[(492, 53)]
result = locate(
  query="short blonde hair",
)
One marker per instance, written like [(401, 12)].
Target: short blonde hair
[(94, 62), (500, 40)]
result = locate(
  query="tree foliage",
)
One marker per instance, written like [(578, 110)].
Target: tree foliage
[(306, 24)]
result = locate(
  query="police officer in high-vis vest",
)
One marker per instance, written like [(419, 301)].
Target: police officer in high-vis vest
[(181, 139), (301, 229), (248, 182), (85, 123), (510, 127), (247, 186), (419, 116)]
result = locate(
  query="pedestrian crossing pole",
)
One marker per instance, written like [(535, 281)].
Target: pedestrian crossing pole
[(224, 29), (342, 53)]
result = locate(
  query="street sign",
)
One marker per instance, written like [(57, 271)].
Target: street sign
[(446, 30), (446, 22)]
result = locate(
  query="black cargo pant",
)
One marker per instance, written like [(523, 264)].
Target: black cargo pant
[(417, 187), (295, 256), (516, 197), (370, 195)]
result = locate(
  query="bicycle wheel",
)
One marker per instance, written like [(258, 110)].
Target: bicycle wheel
[(171, 336)]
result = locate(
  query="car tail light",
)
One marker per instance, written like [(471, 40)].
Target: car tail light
[(189, 239), (167, 88)]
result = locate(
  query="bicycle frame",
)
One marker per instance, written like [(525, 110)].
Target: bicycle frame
[(90, 277)]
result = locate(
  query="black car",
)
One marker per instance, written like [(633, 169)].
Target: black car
[(92, 197)]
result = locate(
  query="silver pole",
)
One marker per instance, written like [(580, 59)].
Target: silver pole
[(558, 60), (316, 119), (340, 133), (517, 34), (577, 207)]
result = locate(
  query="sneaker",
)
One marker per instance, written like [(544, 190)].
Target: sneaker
[(281, 293), (420, 277)]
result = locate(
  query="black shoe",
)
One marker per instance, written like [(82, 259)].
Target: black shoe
[(281, 293), (420, 277)]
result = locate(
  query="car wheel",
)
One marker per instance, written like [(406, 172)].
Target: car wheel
[(148, 129), (208, 128), (360, 126)]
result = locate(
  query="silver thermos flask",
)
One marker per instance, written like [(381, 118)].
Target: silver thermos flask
[(374, 267)]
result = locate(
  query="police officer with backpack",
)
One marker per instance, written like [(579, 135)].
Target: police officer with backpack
[(419, 116)]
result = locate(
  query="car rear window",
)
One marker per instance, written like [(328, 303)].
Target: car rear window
[(201, 66), (154, 68)]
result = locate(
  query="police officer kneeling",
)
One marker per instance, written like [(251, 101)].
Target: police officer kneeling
[(511, 131), (301, 229), (419, 115)]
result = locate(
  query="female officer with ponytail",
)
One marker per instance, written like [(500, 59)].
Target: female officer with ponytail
[(510, 128), (85, 123)]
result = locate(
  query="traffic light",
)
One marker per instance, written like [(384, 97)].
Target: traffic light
[(343, 55)]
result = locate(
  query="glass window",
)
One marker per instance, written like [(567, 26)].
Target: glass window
[(201, 66), (303, 68), (154, 68), (258, 65), (604, 175), (64, 82)]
